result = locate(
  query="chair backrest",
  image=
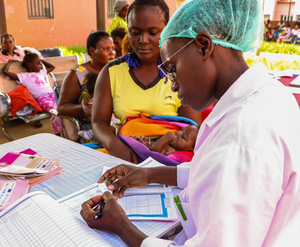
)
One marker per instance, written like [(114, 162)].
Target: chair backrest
[(52, 52), (69, 128), (63, 64), (59, 77), (85, 57), (6, 84)]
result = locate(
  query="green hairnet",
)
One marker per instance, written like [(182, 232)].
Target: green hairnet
[(236, 24)]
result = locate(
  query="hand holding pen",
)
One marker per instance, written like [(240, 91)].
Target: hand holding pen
[(113, 217), (99, 210)]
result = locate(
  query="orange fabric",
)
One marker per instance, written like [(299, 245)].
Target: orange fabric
[(20, 97), (144, 126), (103, 150)]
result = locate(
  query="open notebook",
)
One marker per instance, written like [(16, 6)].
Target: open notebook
[(38, 220)]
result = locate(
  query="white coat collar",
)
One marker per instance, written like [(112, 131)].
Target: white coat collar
[(247, 84)]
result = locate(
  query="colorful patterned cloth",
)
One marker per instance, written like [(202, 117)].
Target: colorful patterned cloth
[(48, 102)]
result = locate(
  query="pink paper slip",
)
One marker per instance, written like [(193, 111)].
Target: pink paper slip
[(27, 165), (12, 190)]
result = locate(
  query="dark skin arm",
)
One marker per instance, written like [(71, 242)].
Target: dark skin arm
[(5, 69), (69, 95), (49, 66), (101, 120), (120, 178), (186, 111), (160, 144), (113, 220)]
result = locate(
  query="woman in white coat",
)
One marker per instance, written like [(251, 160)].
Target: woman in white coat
[(242, 186)]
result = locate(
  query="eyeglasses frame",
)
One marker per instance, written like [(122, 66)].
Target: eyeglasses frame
[(164, 71)]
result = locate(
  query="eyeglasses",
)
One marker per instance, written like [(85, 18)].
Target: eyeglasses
[(171, 75), (107, 50)]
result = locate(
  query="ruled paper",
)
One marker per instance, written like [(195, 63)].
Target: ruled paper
[(38, 220), (150, 227)]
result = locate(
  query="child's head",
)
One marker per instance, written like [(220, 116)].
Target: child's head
[(90, 82), (32, 62), (121, 8), (185, 138), (118, 34)]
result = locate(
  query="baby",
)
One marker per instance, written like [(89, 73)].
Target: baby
[(90, 86), (182, 140)]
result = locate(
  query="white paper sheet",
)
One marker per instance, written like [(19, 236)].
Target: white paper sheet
[(38, 220)]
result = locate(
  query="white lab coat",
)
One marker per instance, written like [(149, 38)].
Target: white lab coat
[(244, 180)]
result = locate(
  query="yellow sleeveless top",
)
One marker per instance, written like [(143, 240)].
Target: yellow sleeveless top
[(131, 98)]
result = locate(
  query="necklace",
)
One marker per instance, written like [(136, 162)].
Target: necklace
[(133, 62)]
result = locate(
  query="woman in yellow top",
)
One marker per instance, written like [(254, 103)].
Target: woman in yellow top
[(121, 8), (132, 84)]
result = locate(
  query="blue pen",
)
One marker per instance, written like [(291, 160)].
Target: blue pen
[(99, 210)]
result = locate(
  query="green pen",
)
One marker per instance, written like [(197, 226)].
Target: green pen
[(179, 206)]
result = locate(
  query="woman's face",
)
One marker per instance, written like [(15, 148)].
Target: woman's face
[(195, 79), (145, 23), (104, 52), (8, 44)]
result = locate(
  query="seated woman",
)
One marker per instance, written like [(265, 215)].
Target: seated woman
[(10, 51), (294, 35), (286, 34), (132, 85), (74, 98)]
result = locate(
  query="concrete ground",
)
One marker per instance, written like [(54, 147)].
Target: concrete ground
[(19, 130)]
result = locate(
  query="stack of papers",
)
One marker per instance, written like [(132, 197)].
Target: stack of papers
[(10, 191), (31, 167), (24, 165), (55, 170)]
